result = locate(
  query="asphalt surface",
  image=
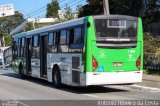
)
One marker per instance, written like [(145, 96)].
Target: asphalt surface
[(151, 81), (35, 92)]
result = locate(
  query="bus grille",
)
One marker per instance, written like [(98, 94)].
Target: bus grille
[(76, 76), (75, 62)]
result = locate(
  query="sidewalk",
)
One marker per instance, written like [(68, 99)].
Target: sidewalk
[(149, 81)]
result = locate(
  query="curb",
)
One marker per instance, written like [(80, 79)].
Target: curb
[(144, 88)]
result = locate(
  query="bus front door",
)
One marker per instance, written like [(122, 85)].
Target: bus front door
[(28, 56)]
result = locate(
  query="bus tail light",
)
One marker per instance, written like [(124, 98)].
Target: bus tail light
[(138, 62), (94, 63)]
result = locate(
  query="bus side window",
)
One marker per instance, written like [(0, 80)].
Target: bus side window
[(78, 35), (51, 42), (63, 47), (36, 41), (57, 38), (76, 40), (68, 34), (50, 39), (31, 46), (63, 37), (19, 46), (14, 49), (23, 47), (71, 36), (36, 51)]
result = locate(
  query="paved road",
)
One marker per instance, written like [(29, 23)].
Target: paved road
[(12, 87)]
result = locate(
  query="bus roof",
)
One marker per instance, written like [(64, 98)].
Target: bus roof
[(20, 35), (115, 17), (67, 24)]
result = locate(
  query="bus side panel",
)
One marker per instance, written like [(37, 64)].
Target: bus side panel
[(140, 38), (70, 69), (90, 33)]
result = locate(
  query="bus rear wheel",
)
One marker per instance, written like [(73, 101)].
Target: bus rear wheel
[(56, 78)]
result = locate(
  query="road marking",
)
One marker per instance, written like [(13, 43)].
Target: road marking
[(155, 91), (91, 95), (147, 88), (23, 104)]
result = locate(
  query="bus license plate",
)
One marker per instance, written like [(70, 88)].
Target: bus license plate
[(117, 64)]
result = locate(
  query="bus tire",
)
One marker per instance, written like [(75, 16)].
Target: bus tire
[(21, 71), (56, 77)]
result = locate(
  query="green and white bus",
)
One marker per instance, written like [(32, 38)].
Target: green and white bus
[(93, 50)]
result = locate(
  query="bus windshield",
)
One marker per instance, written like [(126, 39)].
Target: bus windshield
[(116, 28)]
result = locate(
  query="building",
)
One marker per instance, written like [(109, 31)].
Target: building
[(5, 56)]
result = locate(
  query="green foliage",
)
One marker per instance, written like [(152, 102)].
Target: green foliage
[(29, 27), (8, 40), (7, 37), (7, 24), (68, 13), (151, 45), (52, 9), (93, 2), (122, 7), (79, 10), (152, 13), (125, 7), (11, 22), (94, 7)]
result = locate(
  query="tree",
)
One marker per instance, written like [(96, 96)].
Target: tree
[(29, 26), (68, 13), (151, 46), (7, 37), (93, 2), (11, 22), (122, 7), (7, 24), (152, 13), (52, 9), (94, 7), (79, 9), (135, 7), (126, 7)]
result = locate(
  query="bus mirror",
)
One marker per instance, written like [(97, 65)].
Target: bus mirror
[(88, 24)]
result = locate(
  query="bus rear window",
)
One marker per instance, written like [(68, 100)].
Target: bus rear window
[(116, 28)]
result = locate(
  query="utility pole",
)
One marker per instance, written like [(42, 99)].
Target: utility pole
[(33, 23), (106, 7)]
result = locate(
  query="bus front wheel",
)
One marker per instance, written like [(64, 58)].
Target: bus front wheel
[(21, 71), (56, 77)]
